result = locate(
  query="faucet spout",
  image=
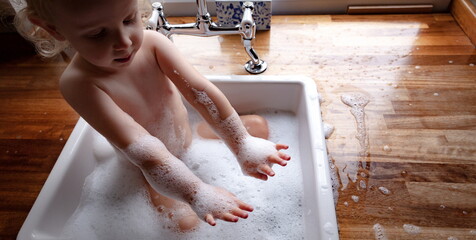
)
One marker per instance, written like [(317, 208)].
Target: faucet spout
[(204, 27)]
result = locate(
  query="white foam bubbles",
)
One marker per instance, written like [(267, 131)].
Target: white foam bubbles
[(362, 184), (328, 228), (357, 101), (379, 231), (411, 229), (328, 130), (251, 151), (278, 204), (115, 204), (107, 205), (384, 190), (202, 98)]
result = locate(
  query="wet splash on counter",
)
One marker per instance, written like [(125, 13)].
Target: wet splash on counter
[(357, 102)]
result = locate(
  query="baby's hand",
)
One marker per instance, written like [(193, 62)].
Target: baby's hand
[(256, 157), (212, 203)]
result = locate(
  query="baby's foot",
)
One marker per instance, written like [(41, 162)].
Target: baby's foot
[(180, 217)]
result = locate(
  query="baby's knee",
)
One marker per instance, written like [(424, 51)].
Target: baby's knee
[(256, 125), (188, 223)]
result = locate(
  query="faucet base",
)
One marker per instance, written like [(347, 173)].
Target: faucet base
[(256, 68)]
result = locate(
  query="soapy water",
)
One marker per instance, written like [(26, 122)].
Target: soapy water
[(328, 129), (379, 231), (384, 190), (115, 203), (357, 101), (411, 229)]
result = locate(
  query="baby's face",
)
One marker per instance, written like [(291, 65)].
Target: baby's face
[(107, 33)]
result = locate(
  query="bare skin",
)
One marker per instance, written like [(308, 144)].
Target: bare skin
[(187, 221), (256, 126), (127, 84)]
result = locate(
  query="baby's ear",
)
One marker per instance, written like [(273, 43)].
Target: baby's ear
[(51, 29)]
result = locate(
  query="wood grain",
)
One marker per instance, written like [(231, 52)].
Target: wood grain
[(389, 9), (418, 71), (464, 12)]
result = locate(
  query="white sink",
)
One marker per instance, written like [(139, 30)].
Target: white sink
[(61, 193)]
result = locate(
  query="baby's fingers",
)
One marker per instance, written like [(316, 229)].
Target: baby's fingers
[(284, 156), (229, 217), (259, 176), (266, 169), (281, 160), (245, 206), (210, 220), (240, 213), (281, 146)]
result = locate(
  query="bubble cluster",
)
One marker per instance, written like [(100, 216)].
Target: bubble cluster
[(202, 98), (412, 229), (251, 152), (328, 130), (167, 175), (384, 190), (116, 205), (362, 184), (379, 231), (357, 101)]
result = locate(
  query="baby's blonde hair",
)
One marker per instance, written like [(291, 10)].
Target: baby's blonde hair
[(45, 44)]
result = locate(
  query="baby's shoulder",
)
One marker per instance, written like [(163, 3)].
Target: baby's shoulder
[(72, 75), (155, 40), (73, 81), (153, 35)]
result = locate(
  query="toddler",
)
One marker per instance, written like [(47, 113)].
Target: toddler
[(127, 84)]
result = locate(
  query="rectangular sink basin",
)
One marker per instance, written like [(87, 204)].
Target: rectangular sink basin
[(61, 193)]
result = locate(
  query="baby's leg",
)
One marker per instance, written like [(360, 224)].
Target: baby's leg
[(257, 126), (183, 217)]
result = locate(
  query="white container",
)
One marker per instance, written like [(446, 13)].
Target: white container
[(60, 195)]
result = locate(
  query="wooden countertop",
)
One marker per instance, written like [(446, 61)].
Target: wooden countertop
[(418, 71)]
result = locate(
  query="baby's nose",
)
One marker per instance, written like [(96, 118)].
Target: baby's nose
[(122, 42)]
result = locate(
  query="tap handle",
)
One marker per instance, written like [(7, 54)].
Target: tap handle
[(154, 18), (248, 26)]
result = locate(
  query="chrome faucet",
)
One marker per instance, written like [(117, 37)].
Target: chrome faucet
[(204, 27)]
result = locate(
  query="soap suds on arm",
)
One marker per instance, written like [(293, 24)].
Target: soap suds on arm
[(164, 172)]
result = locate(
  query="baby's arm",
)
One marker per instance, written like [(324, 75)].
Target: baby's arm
[(256, 156), (164, 172)]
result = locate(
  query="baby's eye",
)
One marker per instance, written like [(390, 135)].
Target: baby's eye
[(128, 21), (97, 34)]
